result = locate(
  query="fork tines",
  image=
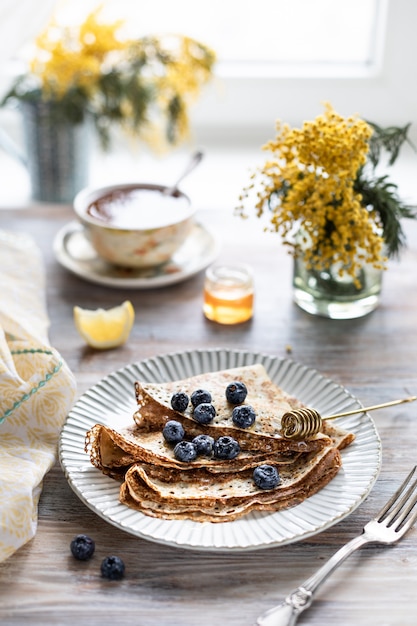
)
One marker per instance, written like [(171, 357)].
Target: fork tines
[(397, 510)]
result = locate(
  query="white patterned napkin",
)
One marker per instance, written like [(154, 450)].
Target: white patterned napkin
[(37, 390)]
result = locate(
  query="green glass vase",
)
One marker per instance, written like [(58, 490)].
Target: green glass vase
[(333, 292)]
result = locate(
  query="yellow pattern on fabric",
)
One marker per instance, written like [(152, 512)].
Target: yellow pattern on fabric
[(36, 390)]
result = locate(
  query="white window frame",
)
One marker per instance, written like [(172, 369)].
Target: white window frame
[(385, 92)]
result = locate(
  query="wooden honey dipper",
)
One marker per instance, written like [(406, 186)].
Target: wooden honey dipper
[(303, 423)]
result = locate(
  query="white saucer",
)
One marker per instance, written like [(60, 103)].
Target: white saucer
[(74, 252)]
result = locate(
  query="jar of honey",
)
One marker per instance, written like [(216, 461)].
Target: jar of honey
[(228, 293)]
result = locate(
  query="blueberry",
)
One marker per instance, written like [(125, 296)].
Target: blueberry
[(185, 451), (236, 392), (113, 568), (243, 416), (82, 547), (179, 401), (266, 477), (200, 395), (226, 448), (173, 431), (204, 413), (204, 444)]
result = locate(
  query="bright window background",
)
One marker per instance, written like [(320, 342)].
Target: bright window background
[(283, 58), (278, 59), (250, 32)]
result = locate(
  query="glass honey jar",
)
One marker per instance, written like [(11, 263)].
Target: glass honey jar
[(228, 293)]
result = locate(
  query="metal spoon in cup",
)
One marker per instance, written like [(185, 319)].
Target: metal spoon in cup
[(194, 161)]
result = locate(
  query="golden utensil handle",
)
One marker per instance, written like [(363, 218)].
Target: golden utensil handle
[(370, 408)]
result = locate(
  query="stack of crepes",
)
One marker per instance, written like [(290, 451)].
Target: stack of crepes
[(209, 489)]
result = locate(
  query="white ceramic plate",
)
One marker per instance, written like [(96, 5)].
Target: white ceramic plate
[(74, 252), (112, 402)]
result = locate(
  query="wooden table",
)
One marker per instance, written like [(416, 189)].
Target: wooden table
[(374, 357)]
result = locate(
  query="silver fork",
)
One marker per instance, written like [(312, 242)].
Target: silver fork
[(391, 523)]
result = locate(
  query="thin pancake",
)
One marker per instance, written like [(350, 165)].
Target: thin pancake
[(227, 498), (113, 452), (268, 400)]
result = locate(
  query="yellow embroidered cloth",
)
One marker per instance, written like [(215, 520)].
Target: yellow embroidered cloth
[(37, 390)]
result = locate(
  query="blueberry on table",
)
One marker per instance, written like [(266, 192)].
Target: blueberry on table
[(113, 568), (185, 451), (266, 477), (82, 547), (204, 444), (179, 401), (226, 448), (236, 392), (173, 431), (243, 416), (200, 395), (204, 413)]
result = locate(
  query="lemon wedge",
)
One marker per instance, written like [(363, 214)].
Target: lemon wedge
[(103, 329)]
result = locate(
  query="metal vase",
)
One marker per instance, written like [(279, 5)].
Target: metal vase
[(57, 153)]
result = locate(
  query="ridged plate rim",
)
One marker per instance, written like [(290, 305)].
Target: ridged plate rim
[(111, 401)]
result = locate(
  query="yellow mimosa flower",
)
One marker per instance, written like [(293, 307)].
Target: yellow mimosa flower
[(93, 69), (315, 184)]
